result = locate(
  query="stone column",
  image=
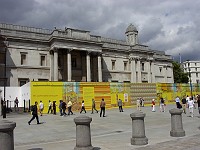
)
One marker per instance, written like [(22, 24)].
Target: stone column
[(69, 66), (176, 123), (138, 129), (133, 72), (83, 135), (149, 72), (99, 69), (6, 135), (88, 67), (139, 71), (55, 65), (51, 66), (65, 72), (152, 72), (165, 73)]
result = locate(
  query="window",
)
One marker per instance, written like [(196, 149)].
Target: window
[(125, 66), (142, 67), (73, 62), (113, 65), (160, 68), (22, 81), (23, 59), (43, 60), (195, 64), (197, 75), (196, 69)]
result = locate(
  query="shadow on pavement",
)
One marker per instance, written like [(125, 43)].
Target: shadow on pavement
[(96, 148), (35, 149)]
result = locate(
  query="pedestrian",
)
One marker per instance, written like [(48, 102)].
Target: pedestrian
[(184, 104), (120, 105), (162, 105), (191, 107), (54, 107), (41, 108), (153, 105), (64, 108), (187, 98), (103, 107), (198, 103), (82, 107), (94, 106), (50, 107), (138, 104), (178, 104), (60, 107), (141, 102), (16, 101), (34, 113), (69, 106)]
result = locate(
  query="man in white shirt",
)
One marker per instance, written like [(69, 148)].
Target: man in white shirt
[(191, 107)]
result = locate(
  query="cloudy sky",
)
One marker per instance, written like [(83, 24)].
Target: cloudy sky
[(167, 25)]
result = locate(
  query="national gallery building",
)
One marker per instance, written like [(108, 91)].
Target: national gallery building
[(75, 55)]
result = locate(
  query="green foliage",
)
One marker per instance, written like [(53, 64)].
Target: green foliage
[(179, 75)]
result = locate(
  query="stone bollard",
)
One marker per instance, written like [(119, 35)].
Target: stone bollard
[(138, 129), (83, 135), (6, 135), (176, 123)]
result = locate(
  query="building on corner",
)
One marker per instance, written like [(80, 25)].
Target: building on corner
[(75, 55)]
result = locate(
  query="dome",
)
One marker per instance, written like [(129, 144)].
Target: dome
[(131, 28)]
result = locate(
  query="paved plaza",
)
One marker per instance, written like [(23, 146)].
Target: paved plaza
[(112, 132)]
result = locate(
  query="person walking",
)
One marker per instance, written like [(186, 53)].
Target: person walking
[(64, 108), (60, 107), (162, 105), (34, 113), (138, 103), (16, 101), (178, 105), (191, 107), (153, 105), (82, 107), (50, 107), (54, 107), (94, 106), (198, 102), (103, 107), (184, 104), (41, 108), (69, 107), (120, 105)]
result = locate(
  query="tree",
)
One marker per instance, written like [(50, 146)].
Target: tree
[(179, 75)]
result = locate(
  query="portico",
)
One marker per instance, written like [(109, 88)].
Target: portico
[(73, 64)]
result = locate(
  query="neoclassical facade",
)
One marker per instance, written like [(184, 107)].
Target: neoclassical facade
[(74, 55)]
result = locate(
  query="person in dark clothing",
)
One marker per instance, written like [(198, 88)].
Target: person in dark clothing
[(34, 113), (120, 105), (54, 107), (198, 102), (184, 103), (64, 108), (103, 107), (82, 107), (60, 107)]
